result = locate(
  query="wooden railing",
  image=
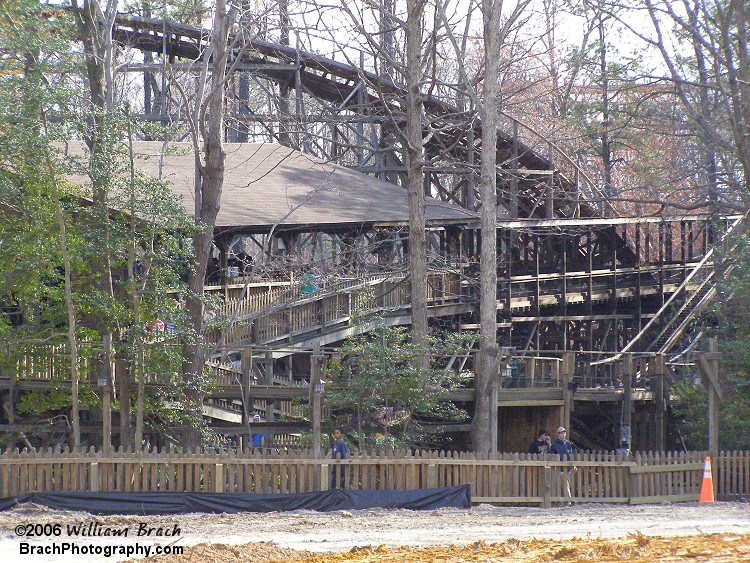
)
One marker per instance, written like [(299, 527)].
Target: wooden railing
[(286, 313), (502, 478), (257, 304), (44, 361)]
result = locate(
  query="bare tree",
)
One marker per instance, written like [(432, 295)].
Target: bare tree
[(484, 421), (485, 401), (411, 138), (208, 126), (415, 162), (713, 85)]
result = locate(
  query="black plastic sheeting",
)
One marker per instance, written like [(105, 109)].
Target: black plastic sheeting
[(183, 503)]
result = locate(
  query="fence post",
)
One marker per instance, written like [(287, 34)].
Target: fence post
[(94, 477), (432, 476), (5, 475), (323, 477), (219, 483), (633, 492), (547, 486)]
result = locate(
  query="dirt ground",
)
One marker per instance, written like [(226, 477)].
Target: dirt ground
[(592, 532), (635, 547)]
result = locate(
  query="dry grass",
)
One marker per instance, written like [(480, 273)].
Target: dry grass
[(636, 547)]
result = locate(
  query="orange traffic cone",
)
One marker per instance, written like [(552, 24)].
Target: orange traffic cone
[(707, 487)]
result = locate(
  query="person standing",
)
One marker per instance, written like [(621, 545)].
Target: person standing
[(562, 447), (339, 451), (542, 443), (258, 438)]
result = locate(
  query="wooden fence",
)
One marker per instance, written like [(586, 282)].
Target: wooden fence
[(502, 478)]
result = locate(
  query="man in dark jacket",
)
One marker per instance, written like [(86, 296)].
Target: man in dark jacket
[(542, 443), (339, 450), (562, 447)]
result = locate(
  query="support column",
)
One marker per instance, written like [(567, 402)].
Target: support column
[(513, 206), (316, 397), (123, 384), (270, 417), (568, 387), (289, 368), (223, 244), (627, 403), (105, 389), (714, 396), (708, 367), (248, 407), (530, 371), (550, 188), (12, 396), (268, 376), (657, 383)]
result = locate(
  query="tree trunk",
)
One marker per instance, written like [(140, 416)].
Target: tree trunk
[(606, 148), (69, 306), (415, 162), (94, 24), (210, 170), (136, 294), (485, 403), (285, 124)]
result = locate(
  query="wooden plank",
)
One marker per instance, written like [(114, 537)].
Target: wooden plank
[(66, 469), (661, 499), (710, 375), (506, 500), (257, 485), (153, 484), (38, 479), (132, 476), (666, 468), (94, 477), (292, 471), (219, 478)]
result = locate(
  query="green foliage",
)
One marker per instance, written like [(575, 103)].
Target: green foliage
[(379, 392), (690, 408), (729, 320), (733, 330), (35, 57), (136, 225), (41, 403)]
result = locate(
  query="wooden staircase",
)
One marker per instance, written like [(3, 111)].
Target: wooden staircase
[(692, 297)]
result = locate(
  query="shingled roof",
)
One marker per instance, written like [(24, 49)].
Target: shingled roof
[(269, 183)]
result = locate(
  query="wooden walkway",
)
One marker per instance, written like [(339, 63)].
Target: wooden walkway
[(286, 317)]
